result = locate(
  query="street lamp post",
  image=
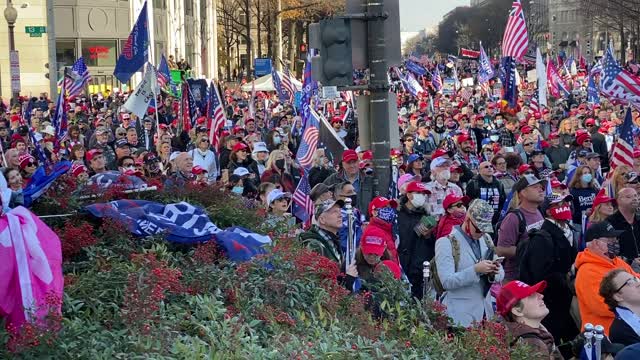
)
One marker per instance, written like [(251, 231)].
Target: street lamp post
[(11, 15)]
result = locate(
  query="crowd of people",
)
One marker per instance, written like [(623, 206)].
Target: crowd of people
[(521, 213)]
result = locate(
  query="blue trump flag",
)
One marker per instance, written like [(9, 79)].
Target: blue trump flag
[(181, 223), (415, 68), (135, 51), (40, 181), (509, 84), (592, 91)]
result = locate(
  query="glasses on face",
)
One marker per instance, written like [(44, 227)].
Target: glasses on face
[(587, 141), (528, 173), (590, 125), (527, 144), (488, 167), (31, 164), (631, 280), (458, 205), (204, 141)]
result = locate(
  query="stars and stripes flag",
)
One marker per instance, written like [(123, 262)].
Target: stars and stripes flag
[(436, 80), (617, 83), (302, 205), (534, 105), (189, 108), (287, 84), (77, 77), (516, 39), (164, 76), (277, 84), (216, 116), (622, 153), (309, 142)]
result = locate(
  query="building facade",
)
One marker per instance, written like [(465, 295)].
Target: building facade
[(98, 31)]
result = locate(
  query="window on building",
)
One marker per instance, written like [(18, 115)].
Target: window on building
[(65, 52), (100, 52), (188, 7)]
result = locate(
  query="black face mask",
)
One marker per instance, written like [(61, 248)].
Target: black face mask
[(280, 164), (354, 199)]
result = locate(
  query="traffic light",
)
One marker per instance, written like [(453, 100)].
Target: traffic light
[(303, 51), (334, 66)]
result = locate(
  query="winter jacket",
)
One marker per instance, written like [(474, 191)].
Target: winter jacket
[(540, 340), (207, 161), (250, 165), (492, 192), (284, 179), (382, 229), (600, 146), (446, 224), (413, 249), (365, 190), (557, 155), (319, 174), (465, 296), (591, 268), (549, 257), (622, 333), (630, 238), (225, 159)]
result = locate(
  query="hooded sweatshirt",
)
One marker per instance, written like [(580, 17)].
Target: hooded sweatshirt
[(591, 268), (540, 340)]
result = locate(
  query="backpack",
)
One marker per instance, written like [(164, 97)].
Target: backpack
[(522, 252), (455, 249), (522, 223)]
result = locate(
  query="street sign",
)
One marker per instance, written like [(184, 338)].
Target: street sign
[(262, 66), (14, 71), (35, 31)]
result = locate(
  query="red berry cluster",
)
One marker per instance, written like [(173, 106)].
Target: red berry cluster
[(76, 237), (147, 288), (208, 253), (488, 339), (38, 331)]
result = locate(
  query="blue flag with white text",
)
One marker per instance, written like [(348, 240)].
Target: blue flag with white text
[(135, 51), (40, 181)]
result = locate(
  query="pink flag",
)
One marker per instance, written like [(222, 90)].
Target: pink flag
[(30, 267)]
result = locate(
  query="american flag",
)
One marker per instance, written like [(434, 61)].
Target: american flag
[(77, 78), (557, 86), (309, 143), (277, 84), (302, 204), (516, 39), (216, 115), (164, 75), (534, 105), (436, 80), (622, 153), (189, 108), (466, 94), (618, 83), (287, 84)]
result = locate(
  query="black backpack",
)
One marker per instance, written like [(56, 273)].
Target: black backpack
[(522, 223), (522, 253)]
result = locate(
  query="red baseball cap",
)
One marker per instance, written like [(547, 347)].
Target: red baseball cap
[(554, 135), (515, 291), (367, 155), (556, 184), (452, 199), (523, 168), (349, 155), (463, 137), (456, 168), (602, 198), (93, 153), (197, 170), (526, 129), (438, 153), (381, 202), (240, 146), (416, 186), (590, 121), (372, 244)]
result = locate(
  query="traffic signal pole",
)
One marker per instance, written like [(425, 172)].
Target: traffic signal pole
[(380, 129)]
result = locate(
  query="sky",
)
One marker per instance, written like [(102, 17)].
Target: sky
[(416, 15)]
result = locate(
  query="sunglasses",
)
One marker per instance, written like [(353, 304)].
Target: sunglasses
[(488, 167), (633, 279), (527, 144), (458, 205)]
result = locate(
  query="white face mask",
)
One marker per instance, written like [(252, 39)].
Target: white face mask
[(444, 175), (418, 200), (494, 137)]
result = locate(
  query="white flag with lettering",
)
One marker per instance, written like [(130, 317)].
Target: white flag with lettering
[(139, 100)]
